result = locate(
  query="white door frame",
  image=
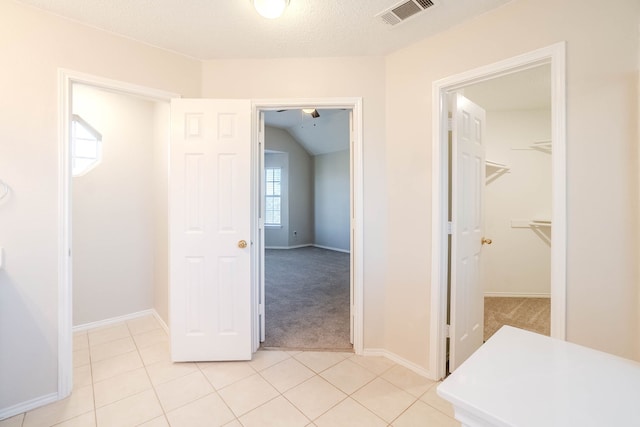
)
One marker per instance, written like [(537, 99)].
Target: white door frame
[(66, 79), (554, 55), (354, 104)]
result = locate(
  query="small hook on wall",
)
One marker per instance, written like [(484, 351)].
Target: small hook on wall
[(4, 189)]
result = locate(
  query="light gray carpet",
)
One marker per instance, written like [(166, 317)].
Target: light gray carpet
[(307, 299)]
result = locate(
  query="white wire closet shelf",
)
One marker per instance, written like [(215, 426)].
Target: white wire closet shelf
[(544, 145), (495, 165), (531, 223), (540, 223)]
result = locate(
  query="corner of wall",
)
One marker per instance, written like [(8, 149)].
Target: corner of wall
[(637, 167)]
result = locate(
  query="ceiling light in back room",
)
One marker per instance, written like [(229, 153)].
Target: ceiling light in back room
[(270, 8)]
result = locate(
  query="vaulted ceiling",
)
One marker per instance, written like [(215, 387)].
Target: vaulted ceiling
[(327, 133)]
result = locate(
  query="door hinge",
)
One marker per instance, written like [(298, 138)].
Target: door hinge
[(449, 227), (450, 124), (447, 331)]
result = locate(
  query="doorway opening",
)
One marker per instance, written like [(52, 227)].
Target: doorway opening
[(307, 195), (516, 265), (451, 324), (119, 200), (69, 78), (158, 106), (299, 239)]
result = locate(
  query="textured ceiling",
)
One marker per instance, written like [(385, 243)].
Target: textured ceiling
[(223, 29), (217, 29), (524, 90)]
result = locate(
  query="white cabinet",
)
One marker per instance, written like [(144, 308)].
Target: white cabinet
[(519, 378)]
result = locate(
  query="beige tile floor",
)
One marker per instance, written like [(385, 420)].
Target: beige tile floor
[(123, 376)]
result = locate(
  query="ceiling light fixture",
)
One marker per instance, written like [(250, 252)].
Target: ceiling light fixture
[(270, 8), (314, 113)]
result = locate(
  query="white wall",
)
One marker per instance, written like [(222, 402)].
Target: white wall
[(329, 77), (602, 164), (331, 203), (518, 262), (602, 74), (34, 45), (299, 190), (113, 210), (160, 215)]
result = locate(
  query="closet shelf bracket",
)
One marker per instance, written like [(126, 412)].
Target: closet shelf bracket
[(495, 170)]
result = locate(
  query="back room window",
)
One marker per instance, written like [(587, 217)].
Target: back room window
[(86, 146), (273, 196)]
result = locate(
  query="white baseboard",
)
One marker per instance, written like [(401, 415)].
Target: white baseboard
[(161, 321), (289, 247), (329, 248), (21, 407), (400, 361), (118, 319), (53, 397), (516, 295)]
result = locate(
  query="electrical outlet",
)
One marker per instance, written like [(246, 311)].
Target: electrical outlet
[(295, 235)]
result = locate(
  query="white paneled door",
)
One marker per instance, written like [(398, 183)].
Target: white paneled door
[(468, 180), (210, 226)]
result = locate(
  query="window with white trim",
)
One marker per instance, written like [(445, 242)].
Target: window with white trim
[(86, 146), (273, 196)]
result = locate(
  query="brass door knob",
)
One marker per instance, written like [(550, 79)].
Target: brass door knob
[(486, 241), (242, 244)]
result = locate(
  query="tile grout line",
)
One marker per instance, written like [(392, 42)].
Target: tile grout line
[(430, 405), (328, 409), (215, 390), (93, 390), (281, 394), (416, 399), (315, 375), (350, 395), (90, 365), (153, 387)]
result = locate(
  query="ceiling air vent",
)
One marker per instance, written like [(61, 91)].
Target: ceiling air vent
[(403, 11)]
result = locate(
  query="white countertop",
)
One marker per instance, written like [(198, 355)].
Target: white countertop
[(519, 378)]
